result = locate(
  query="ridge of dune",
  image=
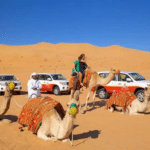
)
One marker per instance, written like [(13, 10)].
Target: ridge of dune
[(100, 128)]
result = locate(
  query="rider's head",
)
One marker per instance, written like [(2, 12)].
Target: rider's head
[(81, 57)]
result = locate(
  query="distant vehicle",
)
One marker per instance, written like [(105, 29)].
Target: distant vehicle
[(52, 82), (132, 80), (9, 78)]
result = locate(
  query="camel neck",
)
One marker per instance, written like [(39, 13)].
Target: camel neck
[(66, 127), (5, 105), (104, 81), (146, 98)]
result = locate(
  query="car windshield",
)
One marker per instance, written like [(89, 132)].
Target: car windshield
[(136, 76), (8, 78), (58, 77)]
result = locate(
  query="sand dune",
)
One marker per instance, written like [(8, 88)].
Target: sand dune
[(98, 128)]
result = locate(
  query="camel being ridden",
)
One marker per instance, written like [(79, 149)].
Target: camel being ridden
[(5, 104), (94, 81), (53, 126), (134, 107)]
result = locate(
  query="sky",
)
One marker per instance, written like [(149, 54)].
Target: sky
[(98, 22)]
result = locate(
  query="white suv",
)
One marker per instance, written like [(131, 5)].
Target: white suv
[(52, 82), (9, 78), (132, 80)]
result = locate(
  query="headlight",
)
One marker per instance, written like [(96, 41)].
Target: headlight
[(18, 84), (63, 83)]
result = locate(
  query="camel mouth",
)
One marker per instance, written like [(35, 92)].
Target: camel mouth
[(11, 86), (118, 71), (73, 111)]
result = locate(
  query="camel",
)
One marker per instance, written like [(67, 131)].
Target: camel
[(136, 107), (5, 104), (54, 127), (95, 81)]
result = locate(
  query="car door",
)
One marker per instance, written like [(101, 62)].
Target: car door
[(122, 82), (47, 83), (110, 87), (41, 78)]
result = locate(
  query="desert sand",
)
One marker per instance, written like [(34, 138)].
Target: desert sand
[(97, 128)]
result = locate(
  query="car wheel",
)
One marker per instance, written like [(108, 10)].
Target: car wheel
[(102, 93), (140, 95), (56, 90)]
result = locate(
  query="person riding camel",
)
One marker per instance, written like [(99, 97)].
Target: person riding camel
[(79, 66), (76, 68), (83, 65)]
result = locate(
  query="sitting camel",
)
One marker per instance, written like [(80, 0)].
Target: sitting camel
[(55, 124), (5, 104), (93, 81), (133, 106)]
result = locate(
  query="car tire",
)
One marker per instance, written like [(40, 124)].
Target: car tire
[(56, 90), (102, 93), (140, 95)]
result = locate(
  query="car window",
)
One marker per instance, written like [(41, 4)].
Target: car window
[(47, 76), (58, 77), (136, 76), (41, 77), (104, 75), (123, 77), (8, 78)]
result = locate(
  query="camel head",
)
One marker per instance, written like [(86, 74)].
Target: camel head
[(147, 91), (10, 86), (114, 71), (73, 104)]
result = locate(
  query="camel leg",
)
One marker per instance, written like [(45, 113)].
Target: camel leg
[(65, 140), (42, 134), (94, 95), (111, 109), (71, 94), (44, 130), (88, 96), (81, 109)]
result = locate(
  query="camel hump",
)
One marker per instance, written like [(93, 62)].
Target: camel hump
[(121, 98), (36, 108)]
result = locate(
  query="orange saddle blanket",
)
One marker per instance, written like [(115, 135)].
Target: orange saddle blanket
[(32, 113), (74, 83), (87, 78), (121, 98)]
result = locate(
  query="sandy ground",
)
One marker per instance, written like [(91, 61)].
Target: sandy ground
[(97, 128)]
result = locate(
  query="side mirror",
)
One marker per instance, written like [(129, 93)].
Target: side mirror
[(49, 79), (128, 80)]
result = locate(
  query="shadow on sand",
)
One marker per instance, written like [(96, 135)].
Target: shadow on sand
[(86, 135), (11, 117), (16, 93), (97, 105)]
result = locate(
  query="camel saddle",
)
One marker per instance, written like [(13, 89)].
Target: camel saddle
[(121, 98), (32, 113), (74, 82), (87, 78)]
